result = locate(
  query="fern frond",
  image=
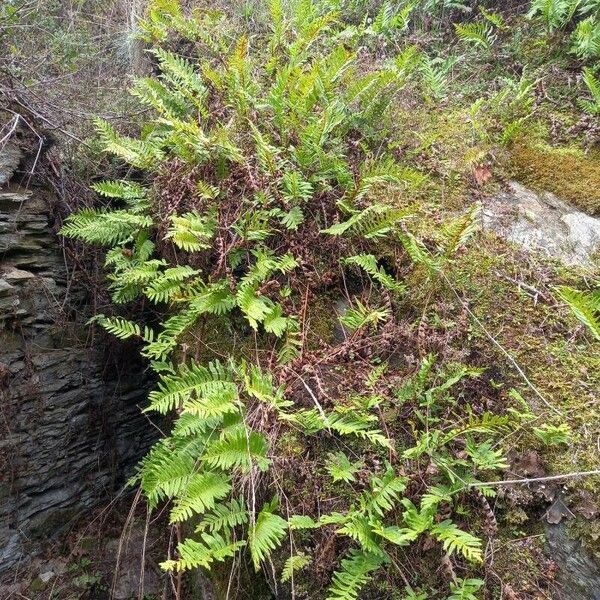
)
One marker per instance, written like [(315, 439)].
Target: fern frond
[(193, 554), (368, 263), (169, 283), (103, 227), (585, 306), (340, 468), (457, 540), (458, 232), (239, 451), (199, 495), (353, 575), (375, 221), (294, 563), (225, 516), (266, 534), (385, 493), (194, 379), (191, 231), (124, 190)]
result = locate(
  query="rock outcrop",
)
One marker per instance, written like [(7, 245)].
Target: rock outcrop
[(544, 223), (70, 424)]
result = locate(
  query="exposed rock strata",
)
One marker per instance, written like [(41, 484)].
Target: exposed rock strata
[(70, 426)]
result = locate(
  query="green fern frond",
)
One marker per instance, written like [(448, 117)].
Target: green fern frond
[(194, 379), (354, 574), (477, 34), (384, 494), (456, 540), (266, 534), (138, 153), (102, 227), (124, 190), (191, 231), (239, 451), (225, 516), (294, 563), (375, 221), (340, 468), (169, 283), (465, 589), (200, 494), (585, 306), (193, 554), (368, 263), (167, 468), (458, 232)]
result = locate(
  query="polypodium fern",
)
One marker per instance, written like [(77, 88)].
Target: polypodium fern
[(200, 494), (353, 575), (593, 85), (103, 227), (212, 547), (193, 380), (191, 231), (266, 534), (240, 451), (456, 540), (585, 306), (227, 516), (368, 263), (294, 563), (374, 221)]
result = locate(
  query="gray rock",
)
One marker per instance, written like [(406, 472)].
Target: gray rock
[(543, 223), (10, 157), (578, 572), (71, 429)]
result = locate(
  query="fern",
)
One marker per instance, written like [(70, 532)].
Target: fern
[(294, 563), (340, 468), (593, 85), (212, 547), (368, 263), (169, 283), (191, 232), (266, 534), (456, 540), (477, 34), (353, 575), (200, 494), (225, 516), (102, 227), (585, 306), (465, 589), (124, 190), (384, 494), (586, 39), (193, 380), (375, 221), (240, 451), (457, 233)]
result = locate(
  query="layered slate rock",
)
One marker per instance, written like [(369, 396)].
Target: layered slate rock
[(544, 223), (70, 424)]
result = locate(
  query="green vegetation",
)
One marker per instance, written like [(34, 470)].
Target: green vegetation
[(299, 204)]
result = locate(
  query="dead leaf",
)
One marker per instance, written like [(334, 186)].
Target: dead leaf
[(482, 174)]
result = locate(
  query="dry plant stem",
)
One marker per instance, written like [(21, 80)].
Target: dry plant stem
[(179, 573), (574, 475)]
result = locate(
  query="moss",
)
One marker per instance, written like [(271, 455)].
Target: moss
[(566, 172), (542, 337)]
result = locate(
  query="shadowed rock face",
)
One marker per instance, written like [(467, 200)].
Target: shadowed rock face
[(578, 572), (543, 223), (70, 425)]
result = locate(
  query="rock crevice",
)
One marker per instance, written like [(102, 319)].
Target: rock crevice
[(70, 424)]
